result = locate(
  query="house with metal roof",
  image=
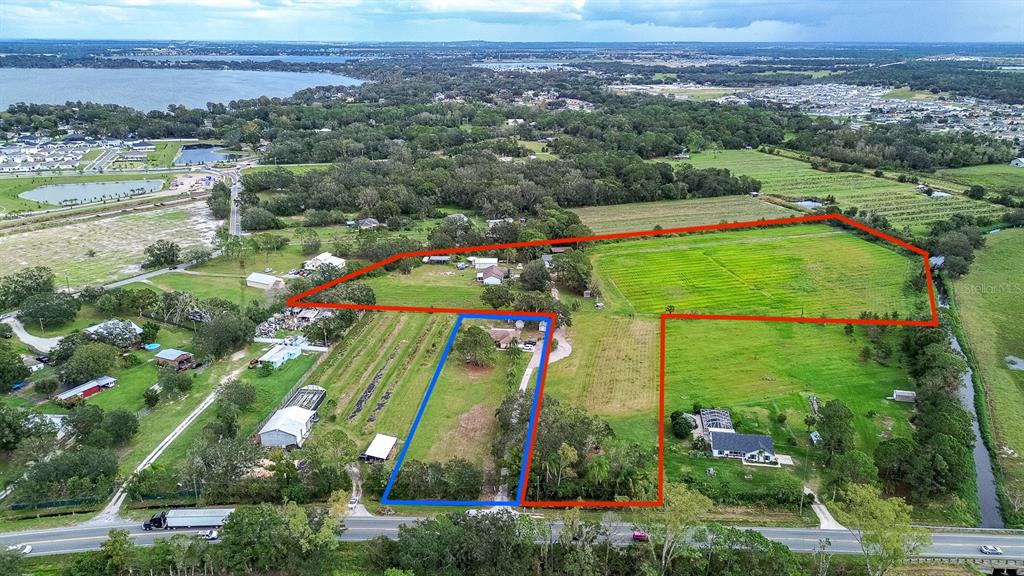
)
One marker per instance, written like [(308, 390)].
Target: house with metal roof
[(172, 358), (279, 354)]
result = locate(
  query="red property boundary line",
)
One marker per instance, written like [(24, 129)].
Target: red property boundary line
[(299, 301)]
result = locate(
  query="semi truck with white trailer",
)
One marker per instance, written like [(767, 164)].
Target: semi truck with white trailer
[(188, 518)]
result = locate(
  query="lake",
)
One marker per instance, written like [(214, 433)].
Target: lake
[(88, 191), (202, 154), (152, 89), (290, 58)]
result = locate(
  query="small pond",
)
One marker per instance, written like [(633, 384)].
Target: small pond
[(84, 192), (203, 154), (809, 204)]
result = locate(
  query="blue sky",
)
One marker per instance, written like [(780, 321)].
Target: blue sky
[(519, 20)]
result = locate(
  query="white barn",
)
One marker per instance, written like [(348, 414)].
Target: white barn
[(263, 281), (287, 428)]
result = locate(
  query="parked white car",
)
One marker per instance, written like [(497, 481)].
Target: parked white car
[(23, 548)]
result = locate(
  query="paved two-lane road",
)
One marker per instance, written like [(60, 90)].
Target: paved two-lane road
[(944, 544)]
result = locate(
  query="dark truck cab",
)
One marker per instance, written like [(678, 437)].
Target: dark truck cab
[(188, 518)]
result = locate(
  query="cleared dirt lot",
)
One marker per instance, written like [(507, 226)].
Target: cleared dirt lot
[(105, 249)]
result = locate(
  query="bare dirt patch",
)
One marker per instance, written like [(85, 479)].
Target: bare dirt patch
[(469, 439)]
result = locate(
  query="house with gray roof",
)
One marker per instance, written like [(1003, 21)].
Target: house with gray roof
[(755, 448)]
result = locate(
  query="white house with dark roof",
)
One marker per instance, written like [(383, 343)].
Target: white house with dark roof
[(756, 448)]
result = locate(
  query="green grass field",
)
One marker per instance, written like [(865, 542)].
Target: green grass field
[(905, 93), (989, 302), (802, 270), (204, 285), (789, 178), (427, 285), (612, 371), (458, 421), (762, 370), (995, 178), (678, 213), (537, 148), (10, 187)]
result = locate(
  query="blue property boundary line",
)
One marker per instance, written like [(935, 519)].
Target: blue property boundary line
[(430, 390)]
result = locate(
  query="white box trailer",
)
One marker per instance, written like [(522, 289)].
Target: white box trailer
[(189, 518)]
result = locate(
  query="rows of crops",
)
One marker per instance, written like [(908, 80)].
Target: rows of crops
[(376, 378), (807, 270), (900, 203), (678, 213)]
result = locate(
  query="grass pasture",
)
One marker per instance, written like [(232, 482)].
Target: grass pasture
[(429, 285), (802, 270), (761, 371), (678, 213), (612, 372), (995, 178), (790, 178), (458, 421), (99, 250), (992, 317), (537, 149)]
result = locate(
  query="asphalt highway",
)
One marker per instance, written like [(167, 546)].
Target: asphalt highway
[(944, 544)]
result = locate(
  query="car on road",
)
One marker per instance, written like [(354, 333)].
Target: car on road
[(991, 550), (209, 535), (23, 548), (352, 503), (640, 536), (172, 267)]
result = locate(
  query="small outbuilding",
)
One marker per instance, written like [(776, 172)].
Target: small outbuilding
[(263, 281), (368, 223), (380, 448), (903, 396), (1017, 162), (287, 428), (481, 263), (90, 388)]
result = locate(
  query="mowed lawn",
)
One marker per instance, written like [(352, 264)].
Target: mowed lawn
[(429, 285), (612, 371), (458, 421), (790, 178), (801, 270), (204, 286), (678, 213), (989, 302)]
